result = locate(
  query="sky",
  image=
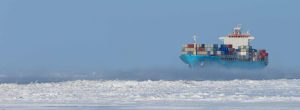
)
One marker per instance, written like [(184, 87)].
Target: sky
[(131, 34)]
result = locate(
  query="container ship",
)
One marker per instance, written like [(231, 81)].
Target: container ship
[(235, 52)]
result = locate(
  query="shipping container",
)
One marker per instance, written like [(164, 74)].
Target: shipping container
[(190, 45), (243, 53), (216, 46), (202, 53), (208, 49), (203, 45), (229, 45), (189, 49), (219, 52), (201, 49), (209, 52), (243, 50)]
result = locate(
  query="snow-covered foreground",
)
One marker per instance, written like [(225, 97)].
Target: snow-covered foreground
[(119, 94)]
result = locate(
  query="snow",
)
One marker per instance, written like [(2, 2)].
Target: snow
[(131, 94)]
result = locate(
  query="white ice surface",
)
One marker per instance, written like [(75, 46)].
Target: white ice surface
[(118, 94)]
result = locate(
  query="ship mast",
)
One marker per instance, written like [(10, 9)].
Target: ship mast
[(237, 30), (195, 38), (195, 43)]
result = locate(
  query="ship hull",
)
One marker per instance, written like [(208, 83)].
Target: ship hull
[(210, 61)]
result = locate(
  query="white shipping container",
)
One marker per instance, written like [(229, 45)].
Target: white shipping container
[(189, 49), (243, 53), (244, 47), (219, 53), (254, 59), (208, 49), (244, 50), (209, 45)]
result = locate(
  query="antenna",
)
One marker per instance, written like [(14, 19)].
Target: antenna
[(248, 32), (237, 29), (239, 25)]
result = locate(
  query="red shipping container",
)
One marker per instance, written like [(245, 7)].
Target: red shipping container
[(262, 51), (190, 45), (261, 57), (229, 46), (201, 49)]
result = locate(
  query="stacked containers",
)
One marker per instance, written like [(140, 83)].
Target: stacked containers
[(190, 45), (263, 54), (224, 49), (253, 54), (228, 52), (215, 49), (229, 45), (205, 49), (243, 50), (243, 53), (219, 53), (189, 49), (230, 49), (201, 50), (209, 49)]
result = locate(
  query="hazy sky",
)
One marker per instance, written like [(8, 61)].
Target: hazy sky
[(129, 34)]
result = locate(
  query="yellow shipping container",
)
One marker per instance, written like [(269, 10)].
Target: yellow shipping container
[(202, 53)]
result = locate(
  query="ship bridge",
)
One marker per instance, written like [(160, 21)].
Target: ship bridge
[(237, 38)]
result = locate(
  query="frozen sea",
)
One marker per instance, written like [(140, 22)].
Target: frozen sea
[(242, 94)]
